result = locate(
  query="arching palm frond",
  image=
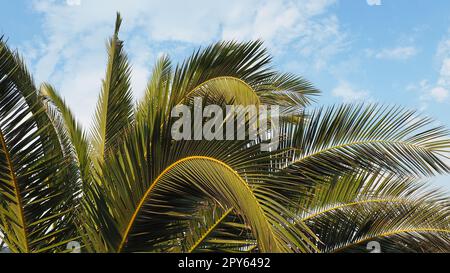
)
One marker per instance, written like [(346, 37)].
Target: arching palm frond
[(229, 89), (340, 178), (70, 131), (400, 214), (157, 94), (214, 229), (164, 182), (245, 61), (26, 87), (290, 92), (114, 112), (340, 139), (37, 192), (243, 65)]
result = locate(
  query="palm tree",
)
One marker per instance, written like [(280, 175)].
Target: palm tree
[(343, 176)]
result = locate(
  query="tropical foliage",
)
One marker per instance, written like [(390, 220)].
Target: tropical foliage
[(342, 177)]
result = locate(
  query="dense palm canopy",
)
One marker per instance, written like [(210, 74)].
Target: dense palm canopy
[(342, 177)]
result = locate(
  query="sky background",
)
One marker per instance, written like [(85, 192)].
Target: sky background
[(387, 51)]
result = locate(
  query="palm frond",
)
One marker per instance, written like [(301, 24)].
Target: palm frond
[(343, 176), (70, 129), (345, 138), (165, 181), (247, 63), (114, 112), (229, 89), (400, 214), (213, 229), (157, 93), (290, 92), (37, 202)]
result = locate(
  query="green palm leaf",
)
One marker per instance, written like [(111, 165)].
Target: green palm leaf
[(214, 179), (346, 138), (401, 214), (157, 93), (70, 131), (37, 194), (229, 89), (342, 176), (290, 92), (151, 169), (248, 63), (217, 230), (115, 106)]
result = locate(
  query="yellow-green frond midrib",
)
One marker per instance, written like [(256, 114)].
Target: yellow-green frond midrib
[(16, 192), (170, 168)]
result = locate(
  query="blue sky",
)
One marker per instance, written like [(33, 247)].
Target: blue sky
[(388, 51)]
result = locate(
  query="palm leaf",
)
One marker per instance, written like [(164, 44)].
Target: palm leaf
[(290, 92), (157, 93), (229, 89), (152, 170), (213, 229), (401, 214), (342, 176), (246, 66), (341, 139), (70, 131), (115, 109), (37, 200)]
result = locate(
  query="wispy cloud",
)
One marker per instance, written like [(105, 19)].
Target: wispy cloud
[(440, 90), (396, 53), (440, 94), (349, 93), (71, 54), (437, 91), (73, 2), (374, 2)]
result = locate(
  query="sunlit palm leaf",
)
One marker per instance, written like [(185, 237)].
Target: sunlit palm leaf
[(229, 89), (157, 93), (247, 63), (36, 190), (151, 169), (214, 229), (290, 92), (71, 131), (115, 106), (402, 215), (342, 176), (345, 138)]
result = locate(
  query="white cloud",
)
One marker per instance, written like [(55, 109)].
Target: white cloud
[(428, 93), (349, 93), (443, 50), (74, 38), (374, 2), (396, 53), (444, 77), (440, 94), (440, 91), (73, 2)]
